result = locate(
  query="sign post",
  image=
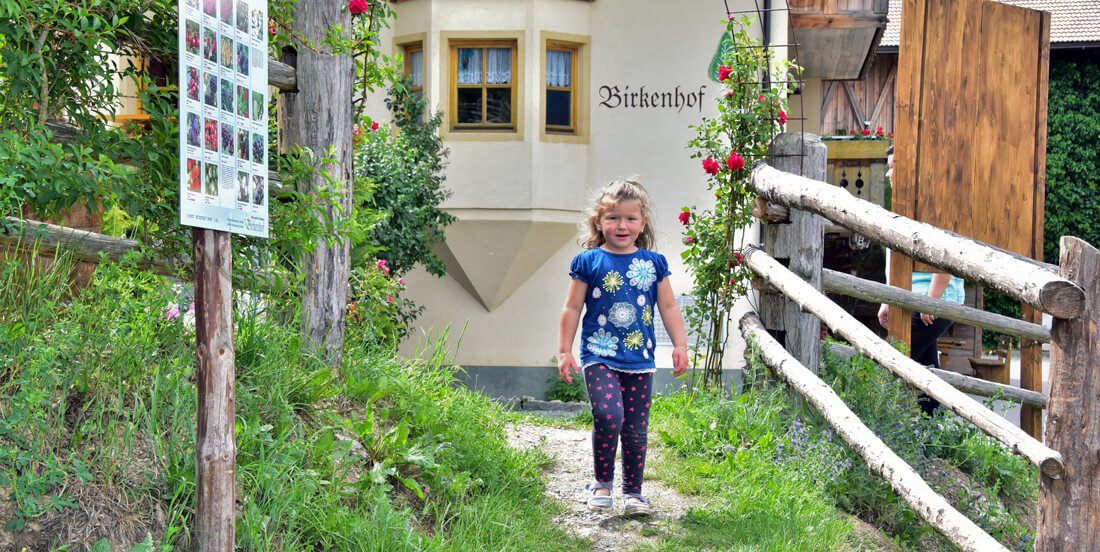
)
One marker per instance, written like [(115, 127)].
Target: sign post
[(223, 189)]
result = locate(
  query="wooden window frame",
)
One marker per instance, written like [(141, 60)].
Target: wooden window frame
[(574, 55), (484, 126), (581, 81), (408, 49)]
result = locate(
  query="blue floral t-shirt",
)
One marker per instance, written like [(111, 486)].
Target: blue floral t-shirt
[(618, 320)]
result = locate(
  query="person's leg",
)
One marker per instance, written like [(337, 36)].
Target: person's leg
[(607, 413), (925, 351), (637, 393)]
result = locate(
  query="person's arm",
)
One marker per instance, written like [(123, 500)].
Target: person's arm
[(884, 309), (674, 325), (570, 318), (935, 291)]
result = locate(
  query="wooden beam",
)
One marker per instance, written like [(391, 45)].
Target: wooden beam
[(967, 384), (854, 100), (843, 20), (907, 483), (846, 284), (84, 245), (867, 343), (282, 76), (1025, 281), (1069, 509)]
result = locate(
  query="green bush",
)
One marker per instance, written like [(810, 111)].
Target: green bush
[(1073, 161)]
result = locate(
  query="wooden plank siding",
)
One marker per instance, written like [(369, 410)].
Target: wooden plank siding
[(874, 95)]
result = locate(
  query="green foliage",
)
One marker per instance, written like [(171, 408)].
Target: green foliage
[(404, 172), (100, 391), (566, 392), (749, 115), (1073, 162)]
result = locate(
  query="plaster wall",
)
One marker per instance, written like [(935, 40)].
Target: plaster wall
[(633, 44)]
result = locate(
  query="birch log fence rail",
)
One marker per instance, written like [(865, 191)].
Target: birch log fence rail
[(1070, 490)]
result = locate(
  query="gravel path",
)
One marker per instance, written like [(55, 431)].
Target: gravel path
[(566, 477)]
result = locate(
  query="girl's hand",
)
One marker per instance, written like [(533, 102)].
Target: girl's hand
[(679, 361), (884, 315), (566, 366)]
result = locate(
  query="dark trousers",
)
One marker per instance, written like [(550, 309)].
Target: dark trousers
[(620, 410), (925, 350)]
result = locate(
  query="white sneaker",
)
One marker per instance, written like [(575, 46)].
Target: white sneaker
[(598, 502), (636, 505)]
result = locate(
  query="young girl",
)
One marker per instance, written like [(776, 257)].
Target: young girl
[(619, 281)]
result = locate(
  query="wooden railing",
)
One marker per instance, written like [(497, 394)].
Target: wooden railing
[(1069, 490)]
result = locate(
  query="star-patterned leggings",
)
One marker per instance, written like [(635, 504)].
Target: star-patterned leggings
[(620, 407)]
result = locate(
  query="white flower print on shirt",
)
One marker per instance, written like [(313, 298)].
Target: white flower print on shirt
[(601, 320), (622, 315), (642, 274), (596, 293), (603, 343)]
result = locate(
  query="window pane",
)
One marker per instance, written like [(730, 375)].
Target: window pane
[(498, 66), (416, 67), (499, 105), (559, 68), (469, 105), (559, 104), (469, 66)]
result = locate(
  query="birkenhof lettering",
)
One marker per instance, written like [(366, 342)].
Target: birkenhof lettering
[(615, 97)]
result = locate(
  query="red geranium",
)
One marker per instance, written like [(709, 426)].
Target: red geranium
[(782, 117), (735, 161), (358, 6), (724, 72), (711, 166), (865, 132)]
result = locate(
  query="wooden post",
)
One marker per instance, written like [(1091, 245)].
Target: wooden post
[(1031, 374), (319, 117), (216, 447), (800, 242), (1069, 508)]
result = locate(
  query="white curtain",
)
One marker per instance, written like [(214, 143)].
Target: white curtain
[(469, 66), (416, 67), (498, 66), (559, 67)]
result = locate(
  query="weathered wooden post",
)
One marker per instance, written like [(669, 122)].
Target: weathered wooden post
[(799, 243), (319, 116), (216, 446), (1069, 508)]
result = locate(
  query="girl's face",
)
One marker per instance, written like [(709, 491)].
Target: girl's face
[(621, 224)]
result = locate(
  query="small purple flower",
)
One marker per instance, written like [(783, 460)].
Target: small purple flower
[(172, 313)]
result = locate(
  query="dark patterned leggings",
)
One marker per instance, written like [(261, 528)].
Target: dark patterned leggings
[(620, 407)]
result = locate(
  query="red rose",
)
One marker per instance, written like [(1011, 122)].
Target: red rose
[(865, 132), (735, 161), (711, 166), (724, 72), (356, 134), (685, 217), (782, 117), (688, 240), (729, 94), (374, 125), (737, 259), (272, 29), (358, 6), (761, 99)]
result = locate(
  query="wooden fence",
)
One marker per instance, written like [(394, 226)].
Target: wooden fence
[(1069, 460)]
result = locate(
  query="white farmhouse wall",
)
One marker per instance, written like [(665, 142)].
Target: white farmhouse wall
[(498, 184)]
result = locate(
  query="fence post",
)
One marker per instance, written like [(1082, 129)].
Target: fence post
[(1069, 508), (800, 245)]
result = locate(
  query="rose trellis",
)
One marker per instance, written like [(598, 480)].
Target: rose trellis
[(751, 112)]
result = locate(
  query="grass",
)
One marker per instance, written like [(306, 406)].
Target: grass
[(773, 476), (97, 392)]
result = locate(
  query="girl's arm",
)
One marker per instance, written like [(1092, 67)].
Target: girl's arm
[(570, 317), (674, 325)]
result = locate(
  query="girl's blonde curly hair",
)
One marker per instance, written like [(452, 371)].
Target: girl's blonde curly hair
[(618, 190)]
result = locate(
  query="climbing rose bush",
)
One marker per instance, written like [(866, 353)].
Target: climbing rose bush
[(749, 116)]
